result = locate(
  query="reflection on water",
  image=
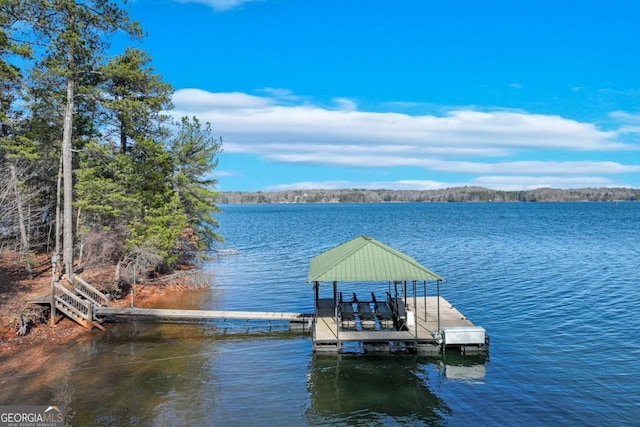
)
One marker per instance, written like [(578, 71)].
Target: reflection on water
[(143, 374), (454, 365), (382, 390), (148, 374), (132, 374), (493, 256), (362, 390)]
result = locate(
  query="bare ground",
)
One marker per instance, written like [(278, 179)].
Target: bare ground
[(21, 355)]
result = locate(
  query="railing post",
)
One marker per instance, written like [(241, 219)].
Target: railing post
[(90, 319), (54, 262)]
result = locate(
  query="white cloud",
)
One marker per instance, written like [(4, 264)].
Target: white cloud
[(346, 105), (505, 183), (200, 100), (629, 129), (312, 185), (284, 128), (629, 123), (530, 182), (219, 5), (250, 119), (538, 167), (280, 95), (376, 185), (220, 173), (624, 116), (407, 184), (379, 159)]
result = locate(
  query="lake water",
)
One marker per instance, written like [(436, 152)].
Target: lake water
[(555, 285)]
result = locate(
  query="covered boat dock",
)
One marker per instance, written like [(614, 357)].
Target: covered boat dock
[(391, 317)]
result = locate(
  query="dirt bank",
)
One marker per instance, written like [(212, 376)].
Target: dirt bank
[(20, 355)]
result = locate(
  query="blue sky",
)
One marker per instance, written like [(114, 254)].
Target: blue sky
[(410, 94)]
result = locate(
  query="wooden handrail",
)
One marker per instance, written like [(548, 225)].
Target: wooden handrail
[(72, 302), (89, 292)]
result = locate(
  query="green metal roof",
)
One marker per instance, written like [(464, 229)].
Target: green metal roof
[(366, 259)]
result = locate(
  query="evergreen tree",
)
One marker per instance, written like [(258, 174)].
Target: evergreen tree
[(10, 75), (74, 33), (104, 197), (158, 219), (134, 97), (131, 180), (194, 153)]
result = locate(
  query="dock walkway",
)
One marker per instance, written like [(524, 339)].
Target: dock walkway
[(196, 315), (88, 307), (423, 325)]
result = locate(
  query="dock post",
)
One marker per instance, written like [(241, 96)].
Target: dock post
[(335, 309), (438, 299), (415, 312), (424, 284)]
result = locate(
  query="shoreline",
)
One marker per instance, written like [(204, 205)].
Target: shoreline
[(445, 195), (24, 355)]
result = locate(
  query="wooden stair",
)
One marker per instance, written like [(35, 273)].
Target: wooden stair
[(79, 302)]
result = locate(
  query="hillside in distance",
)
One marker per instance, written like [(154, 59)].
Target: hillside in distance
[(457, 194)]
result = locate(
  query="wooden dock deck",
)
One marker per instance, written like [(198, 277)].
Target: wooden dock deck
[(101, 313), (427, 318), (196, 315), (328, 338)]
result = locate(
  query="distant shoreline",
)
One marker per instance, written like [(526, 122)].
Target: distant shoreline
[(457, 194)]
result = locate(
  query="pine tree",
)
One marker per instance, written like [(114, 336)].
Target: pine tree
[(102, 125), (74, 33), (134, 98), (194, 153)]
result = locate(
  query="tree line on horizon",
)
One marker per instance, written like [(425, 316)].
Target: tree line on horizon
[(456, 194), (92, 169)]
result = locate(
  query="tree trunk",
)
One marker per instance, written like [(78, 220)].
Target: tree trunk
[(24, 238), (123, 138), (67, 169), (58, 216)]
